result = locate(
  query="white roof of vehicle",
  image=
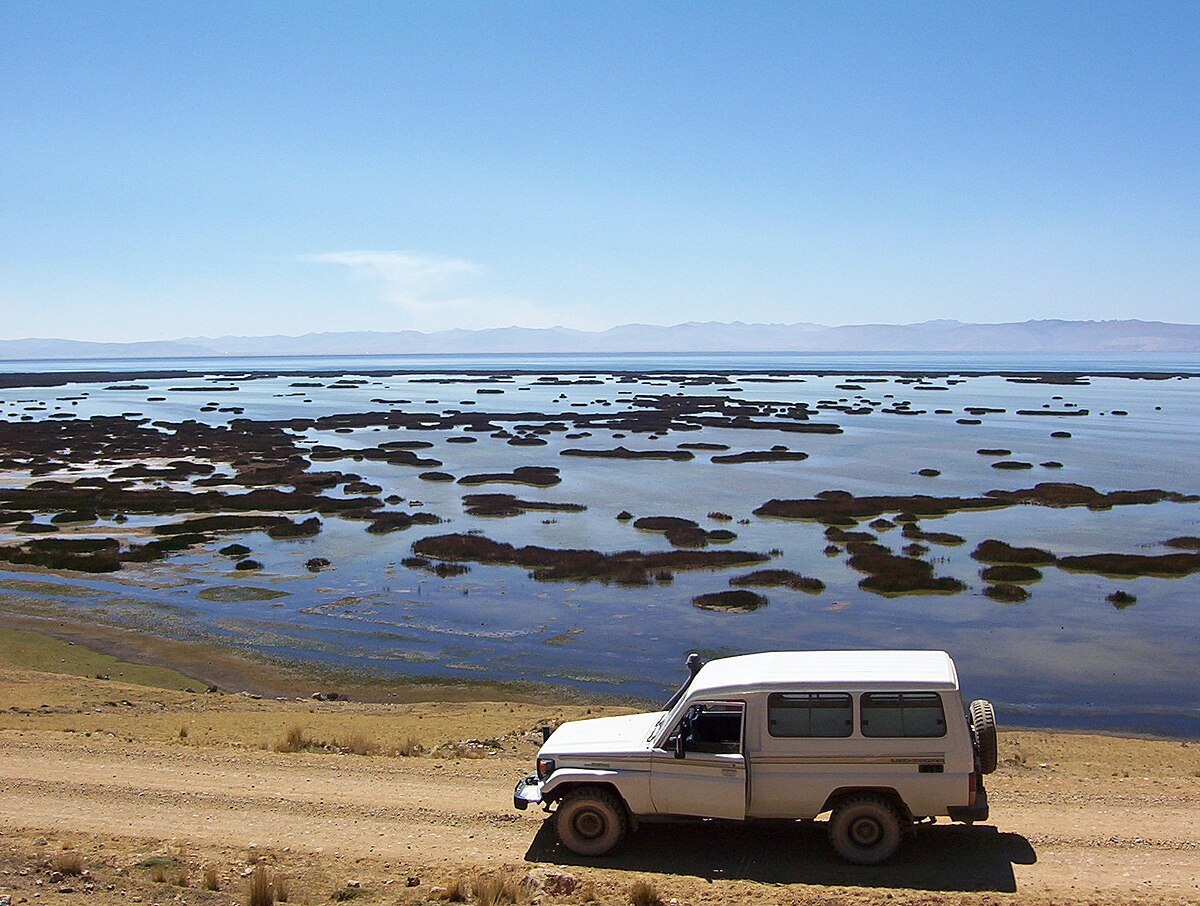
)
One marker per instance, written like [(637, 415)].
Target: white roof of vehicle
[(776, 670)]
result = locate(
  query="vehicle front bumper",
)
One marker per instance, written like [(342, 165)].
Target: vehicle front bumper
[(529, 789)]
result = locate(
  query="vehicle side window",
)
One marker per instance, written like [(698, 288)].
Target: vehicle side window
[(902, 714), (804, 714), (713, 728)]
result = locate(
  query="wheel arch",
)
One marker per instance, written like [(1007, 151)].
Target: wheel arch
[(565, 787), (841, 794)]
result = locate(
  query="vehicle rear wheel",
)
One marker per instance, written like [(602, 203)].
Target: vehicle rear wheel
[(983, 720), (590, 821), (865, 830)]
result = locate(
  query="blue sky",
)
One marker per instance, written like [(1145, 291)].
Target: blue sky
[(189, 169)]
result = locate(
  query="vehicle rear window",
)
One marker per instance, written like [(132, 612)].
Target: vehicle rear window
[(802, 714), (902, 714)]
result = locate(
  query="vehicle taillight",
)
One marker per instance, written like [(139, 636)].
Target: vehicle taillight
[(971, 790)]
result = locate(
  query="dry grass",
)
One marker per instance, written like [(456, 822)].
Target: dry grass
[(644, 893), (345, 893), (456, 890), (183, 732), (282, 888), (358, 744), (294, 741), (210, 879), (158, 873), (68, 862), (498, 889), (297, 740), (183, 879), (410, 748), (260, 893)]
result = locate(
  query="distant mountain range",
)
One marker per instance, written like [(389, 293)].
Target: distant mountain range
[(1050, 336)]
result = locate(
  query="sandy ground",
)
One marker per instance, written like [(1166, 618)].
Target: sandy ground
[(144, 783)]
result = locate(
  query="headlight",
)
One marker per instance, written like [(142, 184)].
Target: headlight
[(545, 767)]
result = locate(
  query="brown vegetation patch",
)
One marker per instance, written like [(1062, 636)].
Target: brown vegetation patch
[(683, 532), (841, 536), (762, 456), (1167, 565), (383, 523), (274, 526), (92, 555), (993, 551), (537, 476), (1121, 599), (914, 532), (893, 575), (553, 564), (1006, 593), (734, 601), (779, 578), (1184, 542), (843, 504), (626, 453), (158, 550), (1063, 494), (1010, 573), (510, 505), (74, 517)]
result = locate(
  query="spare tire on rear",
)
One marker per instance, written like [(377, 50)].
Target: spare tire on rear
[(983, 722)]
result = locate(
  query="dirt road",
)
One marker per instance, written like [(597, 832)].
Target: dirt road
[(1063, 833)]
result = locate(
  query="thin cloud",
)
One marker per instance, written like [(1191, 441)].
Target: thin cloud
[(428, 288), (410, 276)]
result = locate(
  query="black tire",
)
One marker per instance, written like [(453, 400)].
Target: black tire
[(590, 821), (865, 829), (983, 720)]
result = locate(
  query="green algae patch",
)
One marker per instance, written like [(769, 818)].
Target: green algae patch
[(26, 650), (232, 594), (32, 586)]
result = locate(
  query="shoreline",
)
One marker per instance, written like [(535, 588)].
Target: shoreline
[(235, 672), (16, 379)]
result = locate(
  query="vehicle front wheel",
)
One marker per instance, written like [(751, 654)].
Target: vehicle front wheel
[(865, 830), (590, 821)]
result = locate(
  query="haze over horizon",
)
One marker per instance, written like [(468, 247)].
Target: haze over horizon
[(186, 171)]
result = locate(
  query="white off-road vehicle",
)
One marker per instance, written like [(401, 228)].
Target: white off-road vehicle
[(880, 739)]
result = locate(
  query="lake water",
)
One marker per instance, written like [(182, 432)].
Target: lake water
[(1063, 658)]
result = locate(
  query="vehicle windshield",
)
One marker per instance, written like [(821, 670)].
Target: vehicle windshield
[(657, 726), (693, 664)]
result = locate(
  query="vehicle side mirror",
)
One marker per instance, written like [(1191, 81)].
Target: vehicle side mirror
[(679, 745)]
